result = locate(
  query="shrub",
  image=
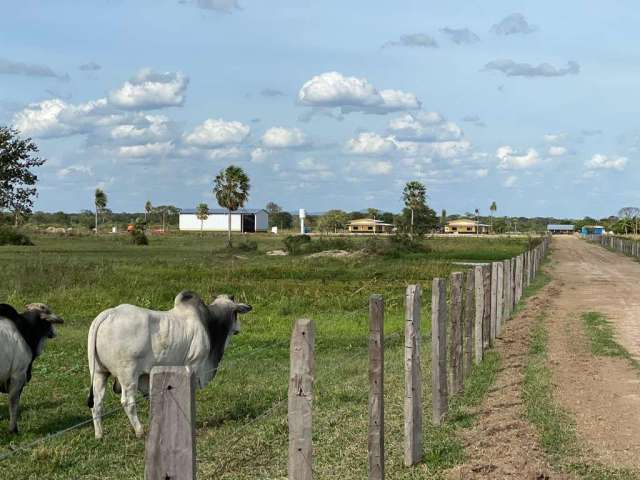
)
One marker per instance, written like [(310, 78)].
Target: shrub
[(138, 237), (396, 245), (10, 236), (247, 246), (293, 243), (324, 244)]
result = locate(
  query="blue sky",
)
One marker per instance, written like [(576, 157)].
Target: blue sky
[(329, 104)]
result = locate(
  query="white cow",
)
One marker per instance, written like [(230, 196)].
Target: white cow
[(22, 339), (128, 341)]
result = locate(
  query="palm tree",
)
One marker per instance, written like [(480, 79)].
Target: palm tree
[(477, 212), (414, 196), (231, 188), (148, 208), (100, 203), (493, 208), (202, 212)]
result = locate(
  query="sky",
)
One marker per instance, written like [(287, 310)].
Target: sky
[(332, 104)]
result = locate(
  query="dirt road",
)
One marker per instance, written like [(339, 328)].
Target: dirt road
[(602, 393)]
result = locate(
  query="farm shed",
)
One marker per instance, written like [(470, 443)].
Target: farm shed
[(592, 230), (560, 229), (244, 220), (369, 225), (466, 226)]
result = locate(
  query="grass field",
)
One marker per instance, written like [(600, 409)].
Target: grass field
[(241, 419)]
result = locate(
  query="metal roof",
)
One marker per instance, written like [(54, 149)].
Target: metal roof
[(560, 227), (223, 211)]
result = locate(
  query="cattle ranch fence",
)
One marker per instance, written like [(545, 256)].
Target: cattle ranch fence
[(629, 247), (469, 311)]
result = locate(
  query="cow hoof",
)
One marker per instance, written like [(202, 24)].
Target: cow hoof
[(140, 433), (98, 436)]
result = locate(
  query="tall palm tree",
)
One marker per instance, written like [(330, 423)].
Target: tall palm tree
[(231, 188), (493, 208), (202, 212), (148, 208), (100, 203), (477, 212), (414, 196)]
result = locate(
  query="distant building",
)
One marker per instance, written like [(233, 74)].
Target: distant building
[(592, 230), (244, 220), (561, 229), (369, 225), (466, 226)]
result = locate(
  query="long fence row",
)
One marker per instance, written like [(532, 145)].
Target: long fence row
[(627, 246), (465, 323)]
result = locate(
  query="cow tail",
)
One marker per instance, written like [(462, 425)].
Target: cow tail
[(92, 347)]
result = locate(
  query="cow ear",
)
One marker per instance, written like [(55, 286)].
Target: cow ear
[(243, 307)]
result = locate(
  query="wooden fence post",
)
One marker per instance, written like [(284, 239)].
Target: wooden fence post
[(376, 387), (486, 318), (301, 378), (439, 349), (507, 289), (479, 296), (494, 302), (469, 304), (455, 350), (499, 298), (413, 376), (170, 450), (514, 283)]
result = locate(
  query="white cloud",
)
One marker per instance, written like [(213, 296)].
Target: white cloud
[(555, 151), (555, 137), (146, 150), (280, 137), (215, 133), (259, 155), (75, 170), (145, 129), (482, 172), (509, 159), (151, 90), (425, 127), (441, 150), (369, 143), (312, 170), (603, 162), (510, 181), (372, 167), (224, 153), (223, 6), (352, 94)]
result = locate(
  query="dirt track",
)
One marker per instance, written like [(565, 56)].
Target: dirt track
[(602, 393)]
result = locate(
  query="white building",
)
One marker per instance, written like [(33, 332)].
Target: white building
[(243, 220)]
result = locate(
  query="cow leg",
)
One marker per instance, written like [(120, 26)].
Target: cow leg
[(128, 400), (15, 390), (99, 386)]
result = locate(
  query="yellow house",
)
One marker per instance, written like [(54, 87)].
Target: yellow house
[(369, 225), (466, 226)]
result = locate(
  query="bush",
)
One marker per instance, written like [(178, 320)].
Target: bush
[(324, 244), (138, 237), (396, 245), (10, 236), (293, 243)]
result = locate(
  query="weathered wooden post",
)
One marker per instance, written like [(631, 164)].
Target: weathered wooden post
[(301, 378), (494, 302), (486, 318), (479, 296), (439, 350), (376, 387), (170, 450), (514, 283), (507, 289), (413, 376), (469, 304), (455, 350), (499, 298)]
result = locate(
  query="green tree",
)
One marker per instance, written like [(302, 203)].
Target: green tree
[(100, 202), (443, 219), (373, 213), (493, 208), (148, 208), (17, 182), (414, 196), (202, 212), (332, 221), (231, 188)]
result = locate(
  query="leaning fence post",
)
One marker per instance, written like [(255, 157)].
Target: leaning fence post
[(439, 349), (455, 351), (170, 450), (479, 296), (494, 302), (413, 377), (469, 304), (376, 387), (301, 378)]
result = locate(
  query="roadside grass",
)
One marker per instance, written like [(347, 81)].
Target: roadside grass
[(241, 416), (602, 338), (556, 425)]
